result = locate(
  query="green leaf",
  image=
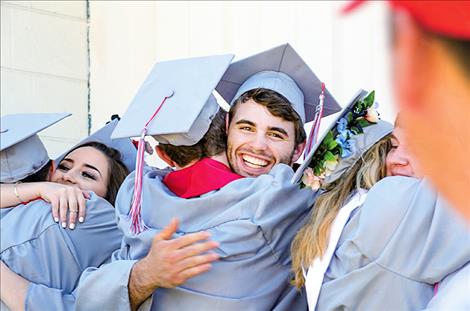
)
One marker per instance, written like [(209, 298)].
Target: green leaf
[(332, 144), (356, 130), (363, 122), (329, 156), (328, 138), (369, 100)]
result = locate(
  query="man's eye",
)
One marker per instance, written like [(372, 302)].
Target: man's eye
[(275, 135), (246, 128), (90, 176)]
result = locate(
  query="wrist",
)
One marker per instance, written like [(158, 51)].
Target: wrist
[(140, 285), (140, 276), (16, 191)]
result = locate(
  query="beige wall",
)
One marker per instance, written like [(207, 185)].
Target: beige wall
[(127, 38), (44, 65)]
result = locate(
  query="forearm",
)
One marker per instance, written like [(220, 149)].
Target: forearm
[(24, 193), (13, 288), (140, 287)]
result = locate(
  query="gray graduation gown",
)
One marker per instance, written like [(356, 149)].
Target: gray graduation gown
[(394, 248), (51, 257), (253, 219)]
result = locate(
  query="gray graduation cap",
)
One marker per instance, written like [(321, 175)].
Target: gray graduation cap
[(282, 70), (186, 114), (357, 144), (103, 135), (22, 152)]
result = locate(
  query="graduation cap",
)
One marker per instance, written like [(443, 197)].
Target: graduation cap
[(176, 106), (346, 140), (103, 135), (448, 18), (22, 152), (282, 70), (186, 86)]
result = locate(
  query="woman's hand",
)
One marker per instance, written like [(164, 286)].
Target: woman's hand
[(65, 199)]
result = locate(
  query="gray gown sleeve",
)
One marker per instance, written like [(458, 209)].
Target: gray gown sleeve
[(105, 287), (99, 288), (403, 240), (452, 293), (53, 258), (39, 296)]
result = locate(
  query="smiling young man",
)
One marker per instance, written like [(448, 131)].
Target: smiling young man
[(263, 130), (251, 220)]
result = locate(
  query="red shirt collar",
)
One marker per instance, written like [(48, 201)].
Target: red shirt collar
[(202, 177)]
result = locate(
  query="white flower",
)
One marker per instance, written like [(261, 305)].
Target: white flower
[(310, 180), (372, 115), (331, 165)]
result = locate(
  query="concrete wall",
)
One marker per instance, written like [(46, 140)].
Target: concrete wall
[(44, 65)]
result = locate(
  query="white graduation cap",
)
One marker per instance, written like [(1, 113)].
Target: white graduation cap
[(175, 105), (22, 152), (359, 143), (123, 145), (185, 86), (282, 70)]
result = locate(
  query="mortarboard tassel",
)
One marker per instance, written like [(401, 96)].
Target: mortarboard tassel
[(137, 224), (313, 137)]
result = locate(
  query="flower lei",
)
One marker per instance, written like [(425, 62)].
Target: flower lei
[(337, 143)]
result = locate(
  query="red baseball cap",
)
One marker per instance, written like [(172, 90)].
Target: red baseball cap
[(448, 18)]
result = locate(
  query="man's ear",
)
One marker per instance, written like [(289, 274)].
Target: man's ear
[(162, 155), (298, 151), (227, 122), (52, 170)]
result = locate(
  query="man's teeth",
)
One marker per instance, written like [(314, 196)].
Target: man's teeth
[(254, 162)]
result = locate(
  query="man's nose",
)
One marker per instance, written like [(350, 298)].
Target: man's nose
[(259, 142)]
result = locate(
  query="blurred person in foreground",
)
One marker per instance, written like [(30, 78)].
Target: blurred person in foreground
[(431, 60)]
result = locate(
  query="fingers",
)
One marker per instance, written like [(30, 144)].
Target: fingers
[(63, 208), (55, 208), (190, 239), (73, 210), (168, 231), (82, 206), (69, 204), (196, 249), (195, 261)]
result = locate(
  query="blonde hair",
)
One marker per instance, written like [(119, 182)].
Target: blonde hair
[(312, 240)]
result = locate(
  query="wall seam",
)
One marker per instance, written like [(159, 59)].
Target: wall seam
[(89, 65), (43, 12), (44, 74)]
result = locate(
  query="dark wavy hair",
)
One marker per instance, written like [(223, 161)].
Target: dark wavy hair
[(277, 105), (117, 171)]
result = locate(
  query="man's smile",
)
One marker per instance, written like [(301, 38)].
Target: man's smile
[(254, 162)]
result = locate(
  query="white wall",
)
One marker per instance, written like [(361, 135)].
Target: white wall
[(44, 65), (127, 38)]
